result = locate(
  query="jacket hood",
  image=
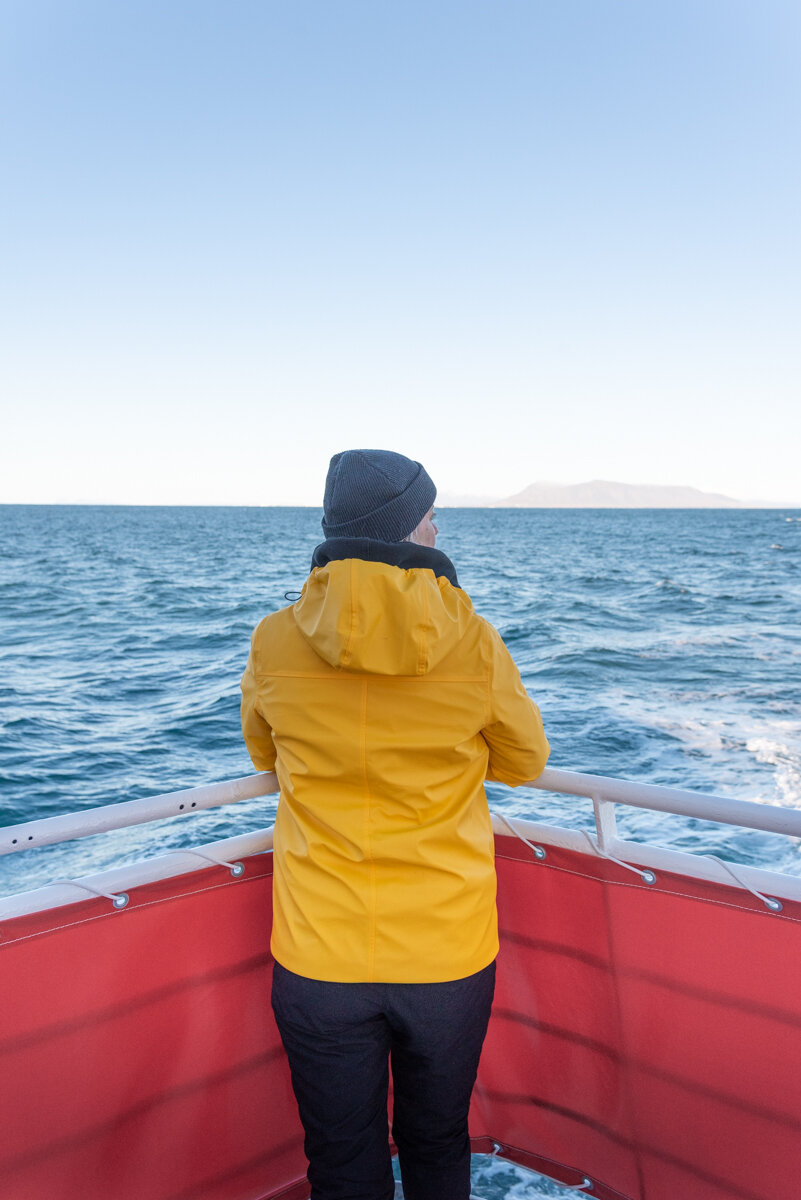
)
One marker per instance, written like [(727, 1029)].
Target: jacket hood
[(362, 613)]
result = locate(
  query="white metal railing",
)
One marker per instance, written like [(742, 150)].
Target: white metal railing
[(723, 809), (604, 793), (49, 830)]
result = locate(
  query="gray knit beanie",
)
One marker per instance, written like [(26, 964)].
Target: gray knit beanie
[(375, 494)]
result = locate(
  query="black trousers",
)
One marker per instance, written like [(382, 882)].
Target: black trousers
[(340, 1038)]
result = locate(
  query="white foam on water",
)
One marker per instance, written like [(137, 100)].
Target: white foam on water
[(787, 776), (496, 1177), (732, 743), (696, 733), (717, 638)]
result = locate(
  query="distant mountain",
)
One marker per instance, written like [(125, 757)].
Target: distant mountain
[(601, 493)]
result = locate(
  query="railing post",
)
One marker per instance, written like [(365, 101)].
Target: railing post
[(605, 823)]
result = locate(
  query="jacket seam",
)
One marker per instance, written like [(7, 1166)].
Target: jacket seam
[(342, 673), (488, 677), (422, 657), (372, 916), (346, 653)]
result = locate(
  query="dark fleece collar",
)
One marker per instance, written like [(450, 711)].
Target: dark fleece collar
[(406, 555)]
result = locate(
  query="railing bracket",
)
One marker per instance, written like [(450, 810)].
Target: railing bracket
[(118, 899), (646, 875), (538, 851), (770, 902), (237, 869)]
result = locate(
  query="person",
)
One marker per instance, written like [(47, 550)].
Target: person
[(383, 700)]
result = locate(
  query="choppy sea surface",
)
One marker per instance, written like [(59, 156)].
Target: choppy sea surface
[(661, 646)]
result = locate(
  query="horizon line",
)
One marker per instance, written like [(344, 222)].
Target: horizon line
[(742, 505)]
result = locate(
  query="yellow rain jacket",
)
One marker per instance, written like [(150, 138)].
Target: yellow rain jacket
[(382, 700)]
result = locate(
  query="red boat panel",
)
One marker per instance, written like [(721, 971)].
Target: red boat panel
[(648, 1038), (139, 1057)]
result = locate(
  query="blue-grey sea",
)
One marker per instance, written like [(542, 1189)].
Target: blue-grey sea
[(661, 645)]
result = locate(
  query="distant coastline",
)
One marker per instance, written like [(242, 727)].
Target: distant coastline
[(603, 493), (597, 493)]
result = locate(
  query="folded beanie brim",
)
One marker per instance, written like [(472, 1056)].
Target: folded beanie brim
[(376, 494)]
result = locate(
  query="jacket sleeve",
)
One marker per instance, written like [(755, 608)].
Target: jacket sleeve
[(255, 729), (518, 748)]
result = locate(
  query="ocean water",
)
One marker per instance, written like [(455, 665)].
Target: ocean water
[(661, 646)]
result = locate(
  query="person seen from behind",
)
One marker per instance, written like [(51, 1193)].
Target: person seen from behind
[(383, 701)]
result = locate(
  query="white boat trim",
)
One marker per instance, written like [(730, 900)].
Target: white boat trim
[(650, 857), (123, 879)]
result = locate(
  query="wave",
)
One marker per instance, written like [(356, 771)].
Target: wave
[(787, 763)]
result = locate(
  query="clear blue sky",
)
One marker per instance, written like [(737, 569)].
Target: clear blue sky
[(519, 240)]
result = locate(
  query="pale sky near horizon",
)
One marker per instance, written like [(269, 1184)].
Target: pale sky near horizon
[(518, 240)]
